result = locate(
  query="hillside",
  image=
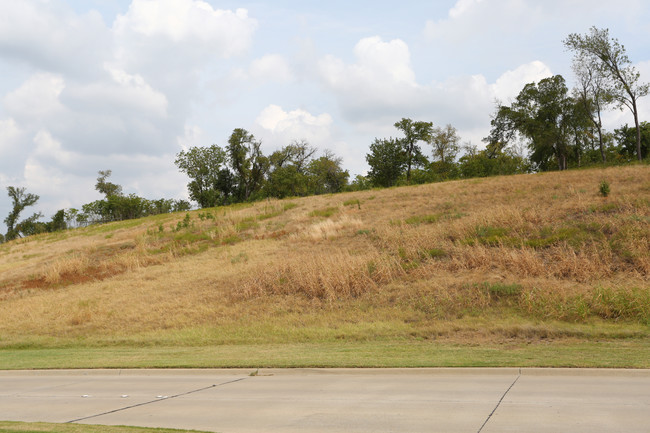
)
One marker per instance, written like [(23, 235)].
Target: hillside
[(496, 261)]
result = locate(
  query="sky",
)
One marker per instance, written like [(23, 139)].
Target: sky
[(89, 85)]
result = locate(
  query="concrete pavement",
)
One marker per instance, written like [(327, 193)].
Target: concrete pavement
[(336, 400)]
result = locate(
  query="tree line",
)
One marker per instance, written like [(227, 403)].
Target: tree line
[(559, 128)]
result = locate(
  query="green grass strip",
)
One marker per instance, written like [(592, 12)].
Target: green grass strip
[(630, 353)]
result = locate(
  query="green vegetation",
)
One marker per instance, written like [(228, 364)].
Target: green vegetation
[(621, 353), (604, 188), (324, 213)]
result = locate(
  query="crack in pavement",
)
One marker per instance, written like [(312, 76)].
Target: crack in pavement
[(153, 401), (499, 403)]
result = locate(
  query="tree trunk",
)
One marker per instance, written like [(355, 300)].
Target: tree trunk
[(638, 130), (600, 138)]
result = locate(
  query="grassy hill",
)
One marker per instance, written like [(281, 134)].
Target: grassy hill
[(522, 270)]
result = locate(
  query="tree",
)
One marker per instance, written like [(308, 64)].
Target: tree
[(247, 162), (107, 188), (613, 62), (20, 200), (593, 93), (414, 132), (387, 160), (491, 161), (58, 222), (445, 142), (626, 138), (211, 182), (545, 115), (287, 175), (327, 175)]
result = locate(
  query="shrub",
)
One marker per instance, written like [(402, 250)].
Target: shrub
[(604, 188)]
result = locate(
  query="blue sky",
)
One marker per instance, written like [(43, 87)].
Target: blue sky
[(126, 84)]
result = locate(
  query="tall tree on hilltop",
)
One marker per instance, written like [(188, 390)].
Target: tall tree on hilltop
[(545, 115), (414, 132), (593, 93), (387, 160), (107, 188), (210, 181), (20, 200), (446, 143), (247, 162), (287, 175), (610, 56)]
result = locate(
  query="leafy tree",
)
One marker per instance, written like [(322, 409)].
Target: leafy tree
[(327, 175), (58, 222), (387, 160), (546, 116), (623, 79), (287, 174), (359, 183), (626, 138), (446, 143), (20, 200), (414, 132), (491, 161), (71, 216), (593, 93), (247, 162), (107, 188), (211, 182), (181, 206)]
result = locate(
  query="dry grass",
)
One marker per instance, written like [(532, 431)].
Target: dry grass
[(481, 259)]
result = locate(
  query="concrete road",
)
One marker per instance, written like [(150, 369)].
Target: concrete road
[(337, 400)]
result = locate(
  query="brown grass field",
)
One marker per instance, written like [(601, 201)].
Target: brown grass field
[(518, 260)]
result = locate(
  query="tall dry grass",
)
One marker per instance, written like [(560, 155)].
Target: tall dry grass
[(544, 247)]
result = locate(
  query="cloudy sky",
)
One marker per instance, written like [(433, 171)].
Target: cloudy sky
[(88, 85)]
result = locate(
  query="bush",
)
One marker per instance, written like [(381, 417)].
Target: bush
[(604, 188)]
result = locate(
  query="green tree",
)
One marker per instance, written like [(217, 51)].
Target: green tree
[(626, 138), (491, 161), (247, 162), (327, 175), (107, 188), (58, 222), (414, 132), (546, 116), (287, 175), (446, 143), (623, 79), (387, 160), (592, 93), (20, 200), (211, 183)]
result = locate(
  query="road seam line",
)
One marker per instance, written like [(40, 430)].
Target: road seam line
[(499, 403), (154, 401)]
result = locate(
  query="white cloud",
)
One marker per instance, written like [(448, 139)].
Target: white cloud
[(37, 98), (193, 136), (49, 36), (193, 21), (283, 126), (508, 85), (271, 67), (121, 94), (461, 7), (10, 133), (381, 86), (380, 78)]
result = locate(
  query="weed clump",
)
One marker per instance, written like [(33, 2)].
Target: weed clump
[(603, 188)]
